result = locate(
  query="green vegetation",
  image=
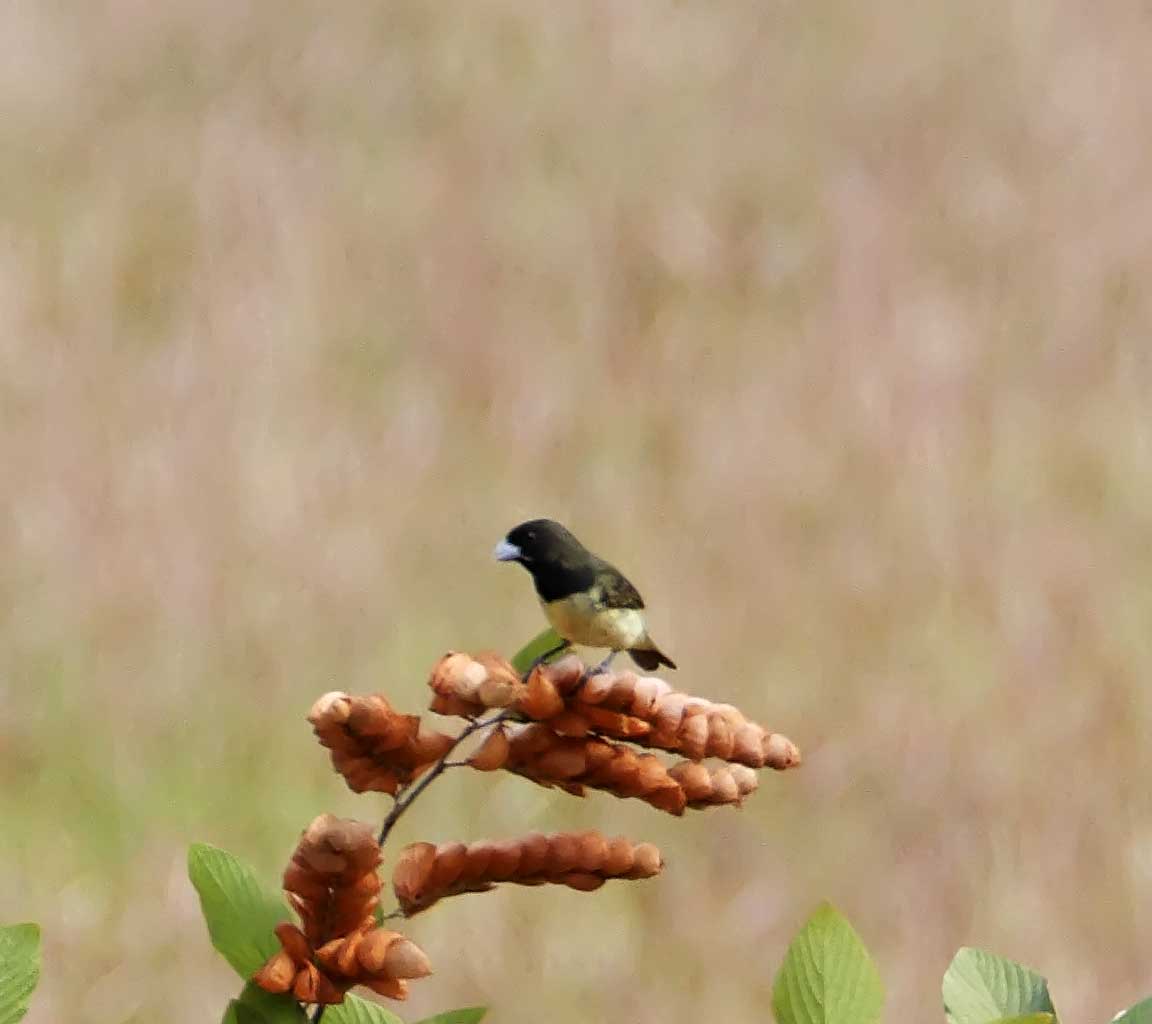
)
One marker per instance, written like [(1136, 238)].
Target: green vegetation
[(19, 969), (827, 976)]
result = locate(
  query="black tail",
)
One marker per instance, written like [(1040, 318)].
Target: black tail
[(650, 658)]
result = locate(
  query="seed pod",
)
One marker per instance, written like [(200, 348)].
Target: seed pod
[(278, 974), (542, 699), (405, 959), (492, 753)]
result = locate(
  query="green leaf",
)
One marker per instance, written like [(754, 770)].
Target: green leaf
[(1030, 1018), (828, 976), (272, 1008), (1141, 1013), (355, 1010), (238, 1013), (981, 987), (239, 912), (467, 1015), (19, 969), (538, 645)]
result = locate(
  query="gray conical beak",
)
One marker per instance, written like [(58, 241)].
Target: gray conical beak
[(505, 552)]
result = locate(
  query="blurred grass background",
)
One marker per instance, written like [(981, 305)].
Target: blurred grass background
[(830, 324)]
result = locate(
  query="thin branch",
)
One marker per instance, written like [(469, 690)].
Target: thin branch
[(405, 799)]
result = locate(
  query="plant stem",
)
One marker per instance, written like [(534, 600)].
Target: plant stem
[(318, 1013), (407, 797)]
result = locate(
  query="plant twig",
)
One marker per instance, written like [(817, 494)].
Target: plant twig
[(406, 798)]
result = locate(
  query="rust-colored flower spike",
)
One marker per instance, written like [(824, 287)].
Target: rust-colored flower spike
[(426, 873), (332, 884), (622, 705), (573, 763), (373, 746), (693, 726)]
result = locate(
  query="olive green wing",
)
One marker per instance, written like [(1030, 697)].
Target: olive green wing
[(615, 588)]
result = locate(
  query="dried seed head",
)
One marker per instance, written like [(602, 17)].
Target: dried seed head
[(373, 746), (622, 705), (647, 710), (582, 860)]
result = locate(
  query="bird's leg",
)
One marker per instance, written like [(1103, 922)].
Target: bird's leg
[(563, 645), (602, 667)]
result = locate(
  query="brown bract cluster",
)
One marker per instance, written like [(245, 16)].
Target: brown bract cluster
[(374, 746), (710, 785), (467, 685), (333, 886), (426, 872), (534, 751), (621, 705)]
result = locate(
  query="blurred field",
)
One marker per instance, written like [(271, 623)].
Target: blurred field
[(830, 323)]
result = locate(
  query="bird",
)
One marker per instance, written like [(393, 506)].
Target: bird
[(587, 600)]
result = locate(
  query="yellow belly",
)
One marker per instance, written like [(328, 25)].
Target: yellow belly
[(577, 618)]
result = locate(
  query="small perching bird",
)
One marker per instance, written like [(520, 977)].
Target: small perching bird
[(587, 600)]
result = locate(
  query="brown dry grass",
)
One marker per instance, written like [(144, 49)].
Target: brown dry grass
[(831, 324)]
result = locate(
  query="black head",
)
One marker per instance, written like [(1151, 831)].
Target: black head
[(560, 565), (540, 543)]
